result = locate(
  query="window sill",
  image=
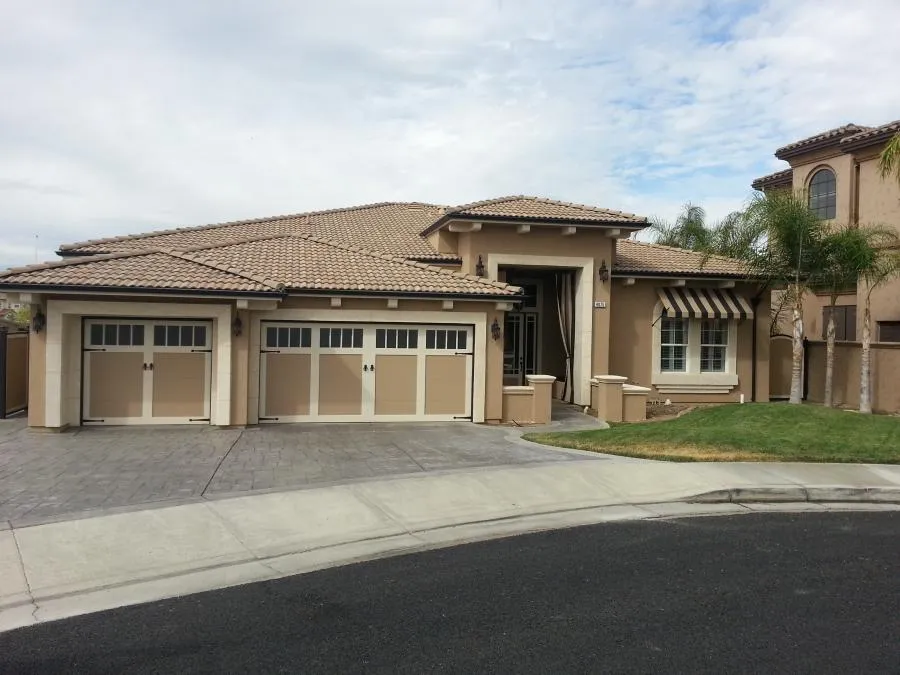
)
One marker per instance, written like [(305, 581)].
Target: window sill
[(694, 383)]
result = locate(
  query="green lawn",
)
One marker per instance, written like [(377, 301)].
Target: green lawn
[(769, 432)]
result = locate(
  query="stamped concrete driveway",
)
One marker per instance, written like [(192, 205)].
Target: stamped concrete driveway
[(46, 477)]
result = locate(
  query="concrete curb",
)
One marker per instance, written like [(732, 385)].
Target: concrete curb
[(880, 495)]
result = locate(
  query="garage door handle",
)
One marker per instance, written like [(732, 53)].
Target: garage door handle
[(148, 366), (367, 368)]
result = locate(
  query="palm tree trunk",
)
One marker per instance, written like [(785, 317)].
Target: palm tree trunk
[(865, 365), (829, 359), (797, 343)]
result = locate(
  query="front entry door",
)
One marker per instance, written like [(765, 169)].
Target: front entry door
[(520, 347)]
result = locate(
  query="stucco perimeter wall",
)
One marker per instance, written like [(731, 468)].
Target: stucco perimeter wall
[(885, 375), (631, 343)]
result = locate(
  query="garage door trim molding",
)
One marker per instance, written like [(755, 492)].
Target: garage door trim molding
[(63, 370)]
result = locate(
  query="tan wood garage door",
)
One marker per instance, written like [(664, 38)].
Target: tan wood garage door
[(146, 372), (365, 372)]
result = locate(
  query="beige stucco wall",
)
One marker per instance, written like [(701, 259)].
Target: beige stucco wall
[(631, 342), (879, 199)]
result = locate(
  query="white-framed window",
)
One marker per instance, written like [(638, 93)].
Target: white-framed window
[(713, 345), (673, 344), (693, 355)]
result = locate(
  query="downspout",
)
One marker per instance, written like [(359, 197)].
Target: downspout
[(854, 216), (805, 367)]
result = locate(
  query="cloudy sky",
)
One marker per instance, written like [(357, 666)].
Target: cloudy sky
[(123, 116)]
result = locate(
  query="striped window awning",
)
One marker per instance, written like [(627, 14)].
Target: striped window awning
[(704, 303)]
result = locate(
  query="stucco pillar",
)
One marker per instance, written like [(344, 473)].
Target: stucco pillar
[(634, 403), (609, 397), (542, 400), (240, 371), (493, 395), (37, 375)]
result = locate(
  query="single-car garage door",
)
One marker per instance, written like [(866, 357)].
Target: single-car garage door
[(365, 372), (146, 371)]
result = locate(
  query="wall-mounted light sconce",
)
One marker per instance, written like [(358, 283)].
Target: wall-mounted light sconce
[(479, 267), (237, 326), (38, 321), (495, 330), (603, 272)]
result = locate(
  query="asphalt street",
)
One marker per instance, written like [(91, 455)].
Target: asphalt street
[(773, 593)]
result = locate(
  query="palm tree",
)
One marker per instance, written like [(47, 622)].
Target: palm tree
[(733, 236), (792, 258), (889, 162), (847, 253), (688, 231)]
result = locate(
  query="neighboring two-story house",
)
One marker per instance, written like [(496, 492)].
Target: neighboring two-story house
[(838, 171)]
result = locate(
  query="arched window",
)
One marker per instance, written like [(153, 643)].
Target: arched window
[(823, 194)]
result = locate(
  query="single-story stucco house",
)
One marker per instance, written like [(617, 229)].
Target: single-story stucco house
[(383, 312)]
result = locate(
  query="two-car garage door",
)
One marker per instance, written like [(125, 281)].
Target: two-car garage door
[(365, 372)]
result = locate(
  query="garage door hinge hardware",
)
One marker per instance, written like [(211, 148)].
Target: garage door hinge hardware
[(95, 349), (202, 351), (95, 421), (269, 351), (462, 417), (464, 353), (198, 419), (268, 419)]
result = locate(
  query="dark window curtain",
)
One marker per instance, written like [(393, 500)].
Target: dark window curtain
[(565, 308)]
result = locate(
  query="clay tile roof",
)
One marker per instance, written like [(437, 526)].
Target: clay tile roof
[(388, 226), (871, 136), (636, 257), (821, 139), (775, 180), (521, 206), (304, 262), (160, 271)]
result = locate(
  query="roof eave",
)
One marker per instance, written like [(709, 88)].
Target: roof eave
[(653, 274), (500, 220), (422, 295), (135, 290)]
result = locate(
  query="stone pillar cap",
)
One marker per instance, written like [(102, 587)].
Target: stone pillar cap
[(610, 378), (541, 378), (635, 389)]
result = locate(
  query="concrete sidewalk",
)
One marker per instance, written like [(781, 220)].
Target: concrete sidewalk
[(63, 569)]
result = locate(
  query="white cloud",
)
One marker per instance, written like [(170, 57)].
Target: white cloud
[(126, 116)]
